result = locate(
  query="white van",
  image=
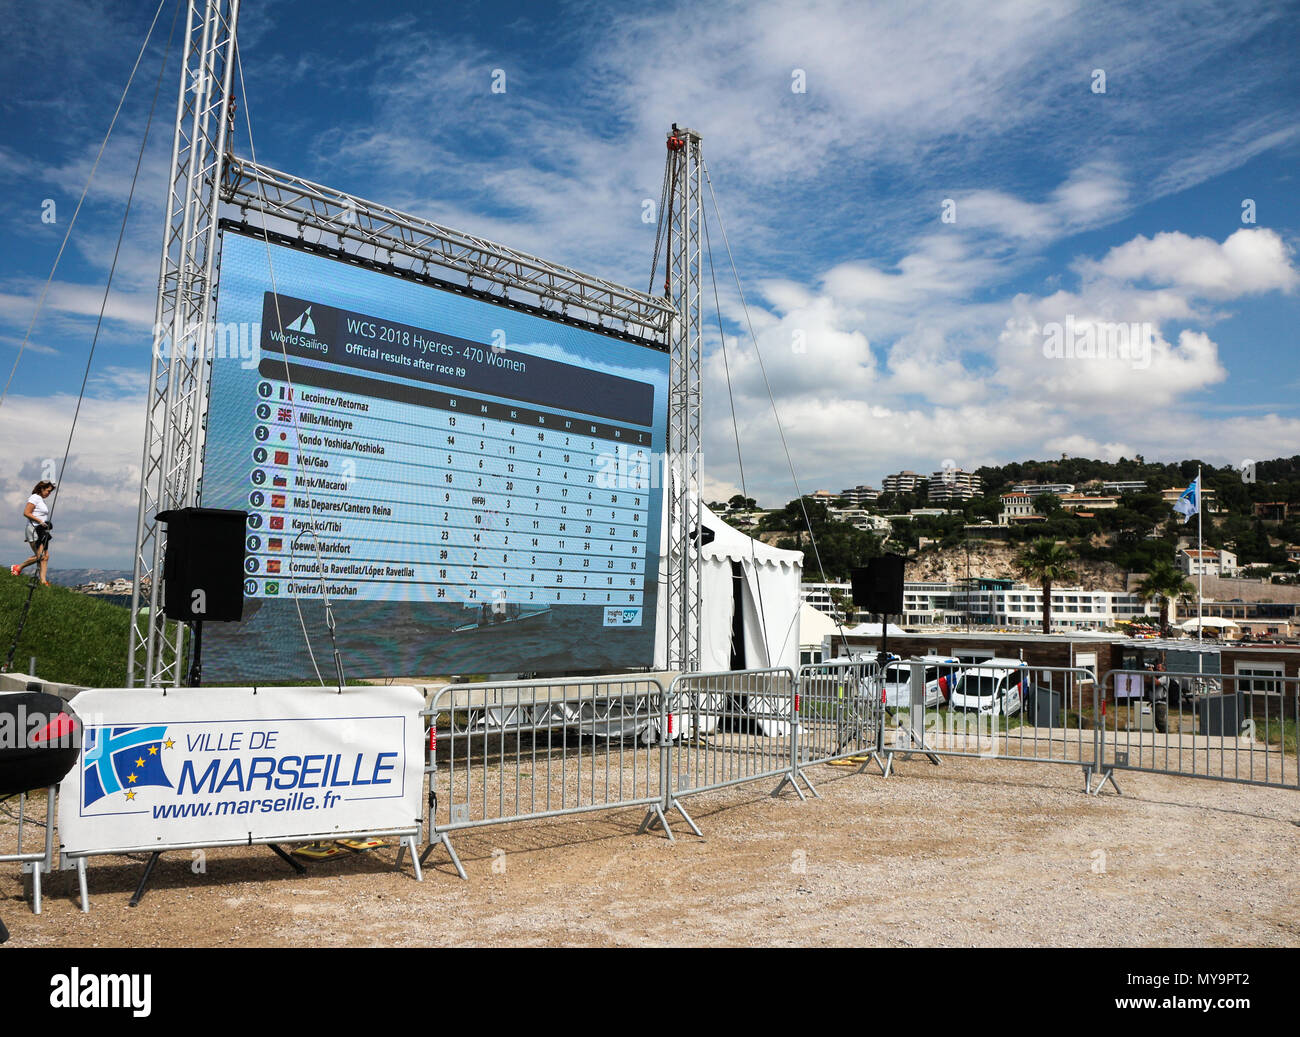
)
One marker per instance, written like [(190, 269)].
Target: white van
[(993, 686), (941, 672)]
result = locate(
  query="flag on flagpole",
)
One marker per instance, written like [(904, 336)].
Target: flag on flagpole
[(1189, 503)]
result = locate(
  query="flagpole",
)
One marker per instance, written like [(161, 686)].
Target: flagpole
[(1200, 579)]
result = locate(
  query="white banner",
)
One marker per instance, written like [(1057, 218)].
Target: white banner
[(233, 765)]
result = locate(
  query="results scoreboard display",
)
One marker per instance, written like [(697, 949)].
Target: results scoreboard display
[(476, 488)]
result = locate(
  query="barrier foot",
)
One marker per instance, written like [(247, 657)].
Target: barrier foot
[(442, 838), (1108, 775), (138, 895), (811, 787), (287, 859), (655, 816), (687, 817), (887, 767), (787, 780), (409, 842), (81, 885)]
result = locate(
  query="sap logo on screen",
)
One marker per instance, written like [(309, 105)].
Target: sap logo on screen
[(621, 617)]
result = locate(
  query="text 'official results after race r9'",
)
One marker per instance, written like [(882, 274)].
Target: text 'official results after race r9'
[(437, 476)]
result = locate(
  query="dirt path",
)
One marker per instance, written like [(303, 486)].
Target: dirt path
[(973, 853)]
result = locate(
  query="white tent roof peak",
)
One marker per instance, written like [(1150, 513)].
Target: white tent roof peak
[(731, 545)]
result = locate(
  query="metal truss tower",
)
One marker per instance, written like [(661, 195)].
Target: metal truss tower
[(682, 477), (203, 176), (178, 372)]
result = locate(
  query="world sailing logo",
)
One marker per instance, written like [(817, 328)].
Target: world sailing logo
[(303, 324)]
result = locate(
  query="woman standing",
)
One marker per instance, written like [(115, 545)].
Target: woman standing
[(37, 513)]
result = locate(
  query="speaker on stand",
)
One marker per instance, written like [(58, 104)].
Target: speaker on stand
[(878, 588), (203, 572)]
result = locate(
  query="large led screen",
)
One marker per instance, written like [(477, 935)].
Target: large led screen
[(476, 488)]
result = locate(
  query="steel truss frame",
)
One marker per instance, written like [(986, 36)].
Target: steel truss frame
[(204, 175), (169, 476), (379, 234), (682, 477)]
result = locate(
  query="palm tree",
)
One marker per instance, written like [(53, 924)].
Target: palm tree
[(1047, 562), (1163, 583)]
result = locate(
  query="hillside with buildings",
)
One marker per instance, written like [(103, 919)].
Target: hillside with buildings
[(962, 532), (993, 560)]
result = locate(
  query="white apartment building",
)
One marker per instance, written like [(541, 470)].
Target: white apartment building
[(1084, 502), (1207, 562), (1014, 606), (1072, 607), (862, 519), (953, 484), (1209, 502), (1122, 487), (818, 595), (859, 495), (1035, 488), (1017, 507), (903, 482)]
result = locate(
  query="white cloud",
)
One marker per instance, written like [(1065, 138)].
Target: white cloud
[(1251, 261), (95, 509)]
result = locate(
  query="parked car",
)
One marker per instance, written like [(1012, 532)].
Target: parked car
[(941, 672), (993, 686)]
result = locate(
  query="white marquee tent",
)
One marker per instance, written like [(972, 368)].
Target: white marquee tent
[(1211, 624), (814, 628), (768, 593)]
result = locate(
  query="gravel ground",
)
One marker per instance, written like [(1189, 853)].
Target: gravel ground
[(972, 853)]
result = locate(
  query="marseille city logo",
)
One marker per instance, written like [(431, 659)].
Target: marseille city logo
[(123, 759)]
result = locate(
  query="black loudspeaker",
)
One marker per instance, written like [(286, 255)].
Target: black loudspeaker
[(879, 587), (203, 571), (45, 744)]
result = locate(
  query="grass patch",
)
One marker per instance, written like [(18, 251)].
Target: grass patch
[(1277, 733), (76, 638)]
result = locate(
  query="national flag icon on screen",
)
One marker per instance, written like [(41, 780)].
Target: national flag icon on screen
[(272, 587), (286, 393), (275, 544), (277, 522), (282, 457), (280, 482), (285, 414), (122, 759), (273, 566), (277, 500)]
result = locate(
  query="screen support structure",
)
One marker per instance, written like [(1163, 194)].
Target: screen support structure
[(682, 473), (204, 175), (169, 477)]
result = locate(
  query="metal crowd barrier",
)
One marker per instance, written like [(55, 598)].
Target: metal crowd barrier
[(524, 750), (35, 863), (1238, 728), (841, 713), (1031, 713), (729, 728)]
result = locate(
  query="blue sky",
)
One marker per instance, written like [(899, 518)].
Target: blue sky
[(891, 337)]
